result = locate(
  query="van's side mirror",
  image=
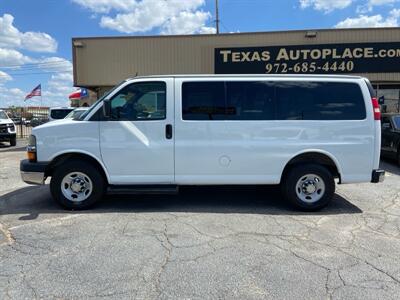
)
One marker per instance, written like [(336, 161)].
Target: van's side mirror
[(107, 108)]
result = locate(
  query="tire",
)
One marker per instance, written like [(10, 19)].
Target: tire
[(13, 142), (75, 174), (299, 183)]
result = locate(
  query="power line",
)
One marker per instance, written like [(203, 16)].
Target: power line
[(38, 63), (226, 28), (35, 64), (43, 68), (192, 32), (33, 67), (37, 73), (59, 66)]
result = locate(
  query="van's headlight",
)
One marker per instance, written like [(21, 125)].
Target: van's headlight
[(31, 148)]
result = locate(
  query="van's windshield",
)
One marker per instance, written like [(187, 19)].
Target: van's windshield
[(83, 116)]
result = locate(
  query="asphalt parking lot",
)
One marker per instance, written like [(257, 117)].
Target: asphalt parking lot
[(202, 244)]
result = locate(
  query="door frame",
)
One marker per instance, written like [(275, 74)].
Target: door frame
[(134, 179)]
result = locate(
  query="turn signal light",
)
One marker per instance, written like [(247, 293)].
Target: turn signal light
[(31, 156), (31, 149)]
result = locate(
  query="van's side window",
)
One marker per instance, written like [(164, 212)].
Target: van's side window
[(140, 101), (250, 100), (247, 100), (203, 100), (295, 100), (319, 101), (272, 100)]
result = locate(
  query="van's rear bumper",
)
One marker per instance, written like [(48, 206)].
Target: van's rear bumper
[(33, 172), (378, 176)]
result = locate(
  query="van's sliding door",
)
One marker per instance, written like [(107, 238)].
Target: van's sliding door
[(222, 132)]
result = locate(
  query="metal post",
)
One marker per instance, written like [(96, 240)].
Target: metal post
[(21, 134), (216, 16)]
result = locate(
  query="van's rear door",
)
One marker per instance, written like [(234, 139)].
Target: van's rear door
[(377, 144)]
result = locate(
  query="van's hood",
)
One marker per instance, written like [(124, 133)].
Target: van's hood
[(54, 124)]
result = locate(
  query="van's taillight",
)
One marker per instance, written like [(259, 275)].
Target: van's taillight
[(377, 110)]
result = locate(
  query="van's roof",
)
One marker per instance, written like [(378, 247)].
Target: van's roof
[(308, 76)]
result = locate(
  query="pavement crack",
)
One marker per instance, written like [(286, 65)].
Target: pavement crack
[(167, 245), (30, 287), (382, 271)]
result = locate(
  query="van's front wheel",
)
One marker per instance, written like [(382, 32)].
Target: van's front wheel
[(308, 187), (77, 185)]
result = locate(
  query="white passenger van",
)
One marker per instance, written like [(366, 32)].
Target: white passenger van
[(154, 134)]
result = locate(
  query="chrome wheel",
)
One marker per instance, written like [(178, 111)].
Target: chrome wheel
[(310, 188), (76, 186)]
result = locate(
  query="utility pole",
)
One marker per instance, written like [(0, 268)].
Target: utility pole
[(216, 16)]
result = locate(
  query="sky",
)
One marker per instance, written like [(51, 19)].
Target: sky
[(35, 35)]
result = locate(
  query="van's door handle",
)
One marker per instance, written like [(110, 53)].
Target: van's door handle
[(168, 131)]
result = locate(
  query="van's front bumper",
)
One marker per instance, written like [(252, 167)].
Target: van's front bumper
[(378, 176), (33, 172)]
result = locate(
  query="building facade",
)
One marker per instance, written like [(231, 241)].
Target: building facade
[(101, 62)]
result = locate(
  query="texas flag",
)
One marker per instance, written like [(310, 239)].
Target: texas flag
[(78, 94), (37, 91)]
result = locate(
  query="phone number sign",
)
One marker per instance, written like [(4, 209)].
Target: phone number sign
[(310, 59)]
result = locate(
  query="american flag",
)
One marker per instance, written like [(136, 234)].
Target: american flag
[(37, 91)]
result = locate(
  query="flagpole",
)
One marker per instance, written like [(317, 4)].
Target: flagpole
[(23, 123)]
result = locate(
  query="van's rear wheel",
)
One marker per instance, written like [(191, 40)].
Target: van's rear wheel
[(308, 187), (77, 185)]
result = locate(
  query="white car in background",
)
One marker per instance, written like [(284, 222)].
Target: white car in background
[(76, 113), (7, 129), (57, 113)]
